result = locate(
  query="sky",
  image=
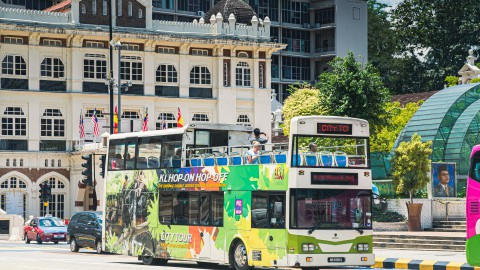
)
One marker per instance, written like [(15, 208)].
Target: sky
[(390, 2)]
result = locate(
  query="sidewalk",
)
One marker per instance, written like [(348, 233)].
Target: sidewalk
[(421, 259)]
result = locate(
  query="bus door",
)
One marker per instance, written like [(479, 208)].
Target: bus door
[(268, 219)]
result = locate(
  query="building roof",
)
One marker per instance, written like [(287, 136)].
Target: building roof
[(451, 120), (63, 6), (242, 11), (412, 97)]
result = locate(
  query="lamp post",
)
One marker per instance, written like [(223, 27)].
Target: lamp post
[(110, 75)]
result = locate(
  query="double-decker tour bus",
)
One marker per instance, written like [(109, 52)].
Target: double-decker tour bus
[(473, 212), (189, 194)]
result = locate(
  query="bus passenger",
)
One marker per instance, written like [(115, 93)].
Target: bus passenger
[(254, 153), (256, 137), (312, 147)]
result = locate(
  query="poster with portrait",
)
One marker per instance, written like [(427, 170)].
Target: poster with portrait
[(444, 180)]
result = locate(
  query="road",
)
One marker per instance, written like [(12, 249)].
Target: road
[(18, 255)]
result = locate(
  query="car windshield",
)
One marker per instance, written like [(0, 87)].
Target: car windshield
[(331, 209), (50, 222)]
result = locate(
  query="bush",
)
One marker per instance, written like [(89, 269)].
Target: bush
[(379, 216)]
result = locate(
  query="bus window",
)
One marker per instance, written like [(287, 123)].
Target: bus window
[(130, 154), (217, 209), (115, 155), (322, 151), (180, 208), (193, 209), (149, 150), (204, 209), (259, 210), (171, 143), (165, 207), (277, 210), (475, 167)]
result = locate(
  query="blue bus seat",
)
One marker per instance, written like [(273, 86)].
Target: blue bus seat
[(265, 157), (195, 161), (208, 160), (167, 162), (176, 163), (341, 159), (142, 163), (153, 162), (221, 161), (235, 158), (280, 158), (326, 158), (311, 159)]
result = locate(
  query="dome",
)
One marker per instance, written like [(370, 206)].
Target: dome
[(242, 11)]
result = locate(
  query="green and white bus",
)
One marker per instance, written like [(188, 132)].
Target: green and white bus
[(188, 194)]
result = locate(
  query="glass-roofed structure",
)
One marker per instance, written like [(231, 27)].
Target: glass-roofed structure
[(451, 120)]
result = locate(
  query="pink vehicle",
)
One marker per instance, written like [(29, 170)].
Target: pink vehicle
[(473, 211)]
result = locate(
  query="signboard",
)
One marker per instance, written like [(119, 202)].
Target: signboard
[(339, 129), (444, 180), (331, 178), (238, 206)]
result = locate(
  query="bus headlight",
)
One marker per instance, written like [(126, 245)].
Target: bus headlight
[(363, 247), (308, 247)]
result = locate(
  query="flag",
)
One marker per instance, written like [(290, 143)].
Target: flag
[(115, 121), (145, 121), (96, 132), (81, 127), (179, 118)]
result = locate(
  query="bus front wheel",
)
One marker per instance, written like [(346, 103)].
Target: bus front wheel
[(240, 258)]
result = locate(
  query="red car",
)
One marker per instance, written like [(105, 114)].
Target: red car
[(45, 229)]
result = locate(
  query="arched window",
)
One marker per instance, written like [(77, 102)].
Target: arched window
[(84, 9), (226, 74), (46, 163), (52, 67), (140, 13), (52, 124), (261, 76), (95, 66), (242, 74), (21, 162), (200, 75), (243, 120), (14, 65), (14, 122), (52, 162), (94, 6), (119, 7), (13, 183), (7, 162), (131, 68), (105, 8), (166, 73), (242, 55), (130, 9), (59, 163), (14, 162)]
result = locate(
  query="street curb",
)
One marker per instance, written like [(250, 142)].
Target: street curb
[(396, 263)]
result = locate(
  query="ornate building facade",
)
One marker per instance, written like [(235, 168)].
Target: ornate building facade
[(55, 66)]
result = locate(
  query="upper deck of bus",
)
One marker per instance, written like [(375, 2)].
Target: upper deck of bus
[(342, 142)]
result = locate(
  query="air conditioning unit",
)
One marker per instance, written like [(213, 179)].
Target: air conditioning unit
[(201, 13)]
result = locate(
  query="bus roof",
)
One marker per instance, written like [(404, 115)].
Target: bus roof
[(172, 131)]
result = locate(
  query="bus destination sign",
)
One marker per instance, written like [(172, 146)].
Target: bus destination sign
[(331, 178), (328, 128)]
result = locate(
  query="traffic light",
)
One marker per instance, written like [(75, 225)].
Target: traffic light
[(45, 192), (87, 172), (102, 165)]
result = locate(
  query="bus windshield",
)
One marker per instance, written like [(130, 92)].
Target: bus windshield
[(330, 209), (322, 151)]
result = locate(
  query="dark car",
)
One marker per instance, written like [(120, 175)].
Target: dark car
[(45, 229), (85, 230)]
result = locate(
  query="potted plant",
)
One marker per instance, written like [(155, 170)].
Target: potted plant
[(411, 164)]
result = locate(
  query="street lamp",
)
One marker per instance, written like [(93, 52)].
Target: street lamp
[(118, 46)]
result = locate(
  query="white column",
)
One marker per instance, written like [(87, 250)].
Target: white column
[(184, 72), (34, 115), (33, 62)]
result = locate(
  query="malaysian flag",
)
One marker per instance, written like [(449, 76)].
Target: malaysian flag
[(96, 132), (81, 127), (145, 121)]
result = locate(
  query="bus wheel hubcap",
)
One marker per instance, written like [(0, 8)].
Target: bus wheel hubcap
[(240, 255)]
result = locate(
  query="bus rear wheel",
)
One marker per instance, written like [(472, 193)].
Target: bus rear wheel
[(240, 257)]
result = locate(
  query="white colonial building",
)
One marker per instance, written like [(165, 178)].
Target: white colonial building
[(55, 66)]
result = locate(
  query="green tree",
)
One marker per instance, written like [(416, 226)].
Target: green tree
[(435, 35), (411, 164), (396, 119), (349, 89), (451, 80), (302, 101), (475, 80)]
